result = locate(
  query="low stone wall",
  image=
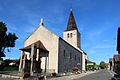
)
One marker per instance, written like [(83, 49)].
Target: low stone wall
[(9, 76)]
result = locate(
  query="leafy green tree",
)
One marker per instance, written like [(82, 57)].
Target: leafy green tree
[(103, 65), (7, 39), (90, 67)]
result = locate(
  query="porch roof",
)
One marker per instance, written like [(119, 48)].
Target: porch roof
[(38, 45)]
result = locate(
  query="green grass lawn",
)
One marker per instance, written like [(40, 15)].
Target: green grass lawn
[(10, 70)]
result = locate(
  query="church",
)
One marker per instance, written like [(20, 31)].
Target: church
[(44, 50)]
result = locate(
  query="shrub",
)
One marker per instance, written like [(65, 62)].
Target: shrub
[(54, 74), (91, 67)]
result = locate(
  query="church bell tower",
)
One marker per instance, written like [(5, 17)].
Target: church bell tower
[(71, 34)]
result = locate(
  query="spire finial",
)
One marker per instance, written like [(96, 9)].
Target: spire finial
[(41, 22)]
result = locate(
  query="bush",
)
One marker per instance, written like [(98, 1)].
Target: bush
[(1, 67), (26, 75), (10, 68), (103, 65), (54, 74), (75, 70), (91, 67)]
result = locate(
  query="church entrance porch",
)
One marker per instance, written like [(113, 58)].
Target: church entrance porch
[(30, 60)]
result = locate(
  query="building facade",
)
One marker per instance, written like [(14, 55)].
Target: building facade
[(51, 52)]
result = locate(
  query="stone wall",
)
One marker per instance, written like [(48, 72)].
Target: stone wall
[(69, 57)]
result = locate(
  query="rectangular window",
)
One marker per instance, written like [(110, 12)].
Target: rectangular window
[(64, 53), (75, 57), (79, 59), (70, 55)]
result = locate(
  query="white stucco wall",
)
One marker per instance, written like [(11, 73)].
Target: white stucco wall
[(74, 40), (83, 61), (90, 63), (50, 42)]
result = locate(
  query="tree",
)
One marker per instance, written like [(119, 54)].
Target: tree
[(90, 67), (7, 39), (103, 65)]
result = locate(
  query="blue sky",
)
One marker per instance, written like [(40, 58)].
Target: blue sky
[(97, 21)]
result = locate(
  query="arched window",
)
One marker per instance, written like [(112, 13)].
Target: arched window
[(68, 35)]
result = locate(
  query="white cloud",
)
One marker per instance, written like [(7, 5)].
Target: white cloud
[(103, 46), (91, 51), (29, 29), (96, 33), (11, 27)]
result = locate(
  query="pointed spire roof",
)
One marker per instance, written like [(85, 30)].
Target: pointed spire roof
[(71, 22)]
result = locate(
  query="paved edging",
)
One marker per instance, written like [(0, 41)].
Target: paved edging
[(111, 72), (72, 77), (9, 76)]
